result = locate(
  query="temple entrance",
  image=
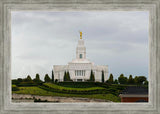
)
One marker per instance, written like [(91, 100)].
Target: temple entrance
[(79, 80)]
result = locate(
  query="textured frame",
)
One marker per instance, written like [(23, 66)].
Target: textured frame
[(152, 6)]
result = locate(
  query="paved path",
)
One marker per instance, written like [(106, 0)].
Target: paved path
[(29, 98)]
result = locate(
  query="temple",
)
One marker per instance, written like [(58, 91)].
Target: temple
[(80, 67)]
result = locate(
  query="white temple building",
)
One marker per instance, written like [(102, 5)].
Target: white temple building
[(80, 67)]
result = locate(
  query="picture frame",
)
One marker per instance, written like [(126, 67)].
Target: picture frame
[(7, 6)]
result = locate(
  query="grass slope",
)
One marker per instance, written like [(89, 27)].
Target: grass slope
[(39, 91)]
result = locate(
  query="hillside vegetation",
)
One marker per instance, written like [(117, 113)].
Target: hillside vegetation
[(41, 92), (96, 91)]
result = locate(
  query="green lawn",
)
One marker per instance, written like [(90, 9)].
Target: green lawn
[(39, 91)]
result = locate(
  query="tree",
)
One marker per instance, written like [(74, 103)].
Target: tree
[(115, 81), (28, 79), (142, 79), (52, 76), (37, 79), (56, 80), (110, 80), (107, 81), (19, 80), (139, 80), (122, 79), (102, 76), (130, 80), (47, 78), (136, 79), (68, 76), (65, 76), (146, 82), (92, 79)]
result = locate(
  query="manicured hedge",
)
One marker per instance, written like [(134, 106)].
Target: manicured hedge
[(54, 86), (83, 88), (77, 84), (26, 84), (100, 88), (82, 84), (60, 89)]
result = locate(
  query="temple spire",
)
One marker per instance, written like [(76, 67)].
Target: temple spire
[(80, 35)]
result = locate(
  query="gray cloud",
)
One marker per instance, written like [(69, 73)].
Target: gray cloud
[(43, 39)]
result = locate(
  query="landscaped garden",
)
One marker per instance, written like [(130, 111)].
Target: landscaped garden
[(108, 90), (53, 89)]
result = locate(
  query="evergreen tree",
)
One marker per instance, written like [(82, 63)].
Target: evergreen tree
[(68, 76), (47, 78), (28, 79), (37, 79), (65, 76), (110, 80), (102, 76), (130, 80), (92, 79), (52, 76)]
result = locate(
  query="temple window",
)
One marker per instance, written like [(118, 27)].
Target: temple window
[(80, 56)]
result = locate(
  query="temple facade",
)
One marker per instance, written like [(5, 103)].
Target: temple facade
[(80, 67)]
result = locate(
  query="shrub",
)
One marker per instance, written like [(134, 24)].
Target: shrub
[(61, 89), (15, 88), (27, 84)]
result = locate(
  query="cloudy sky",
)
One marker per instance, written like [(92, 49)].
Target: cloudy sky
[(43, 39)]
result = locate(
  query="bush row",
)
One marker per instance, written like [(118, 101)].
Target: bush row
[(54, 86), (115, 90), (77, 84), (95, 91)]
